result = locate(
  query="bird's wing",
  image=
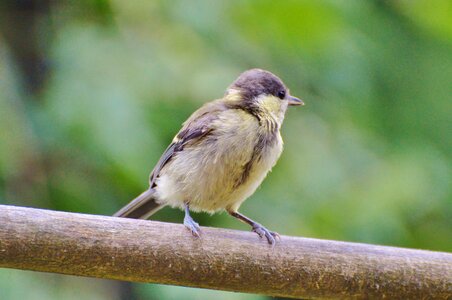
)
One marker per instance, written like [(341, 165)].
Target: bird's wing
[(199, 125)]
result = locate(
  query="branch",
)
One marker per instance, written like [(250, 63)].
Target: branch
[(148, 251)]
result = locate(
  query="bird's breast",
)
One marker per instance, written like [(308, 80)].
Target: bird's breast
[(223, 169)]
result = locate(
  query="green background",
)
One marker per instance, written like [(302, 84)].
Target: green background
[(92, 92)]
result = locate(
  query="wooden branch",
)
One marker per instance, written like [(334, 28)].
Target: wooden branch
[(148, 251)]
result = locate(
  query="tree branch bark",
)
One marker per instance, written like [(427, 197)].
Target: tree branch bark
[(148, 251)]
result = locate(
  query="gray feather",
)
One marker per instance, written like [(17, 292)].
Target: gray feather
[(142, 207)]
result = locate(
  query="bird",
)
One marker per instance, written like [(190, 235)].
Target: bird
[(221, 155)]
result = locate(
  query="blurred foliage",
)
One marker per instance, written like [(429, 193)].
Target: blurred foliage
[(91, 93)]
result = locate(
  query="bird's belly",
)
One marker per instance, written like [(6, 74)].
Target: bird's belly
[(258, 172), (211, 177)]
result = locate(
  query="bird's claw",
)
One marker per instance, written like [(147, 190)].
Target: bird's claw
[(269, 235), (191, 225)]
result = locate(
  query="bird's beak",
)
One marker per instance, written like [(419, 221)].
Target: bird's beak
[(295, 101)]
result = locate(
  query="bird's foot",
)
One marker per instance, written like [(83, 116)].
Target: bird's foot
[(191, 225), (269, 235)]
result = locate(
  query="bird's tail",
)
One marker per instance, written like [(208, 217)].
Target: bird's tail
[(142, 207)]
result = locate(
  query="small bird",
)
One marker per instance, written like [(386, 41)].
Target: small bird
[(222, 153)]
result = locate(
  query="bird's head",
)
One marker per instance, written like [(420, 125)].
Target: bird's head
[(261, 91)]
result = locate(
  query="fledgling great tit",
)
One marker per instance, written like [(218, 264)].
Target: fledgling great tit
[(222, 153)]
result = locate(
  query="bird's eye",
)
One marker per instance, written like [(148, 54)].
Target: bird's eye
[(282, 94)]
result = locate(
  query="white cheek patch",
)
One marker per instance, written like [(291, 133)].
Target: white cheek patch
[(274, 106)]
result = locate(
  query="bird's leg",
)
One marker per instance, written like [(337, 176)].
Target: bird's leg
[(257, 228), (190, 223)]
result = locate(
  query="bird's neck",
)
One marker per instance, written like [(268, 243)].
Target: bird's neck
[(268, 121), (271, 112), (268, 110)]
